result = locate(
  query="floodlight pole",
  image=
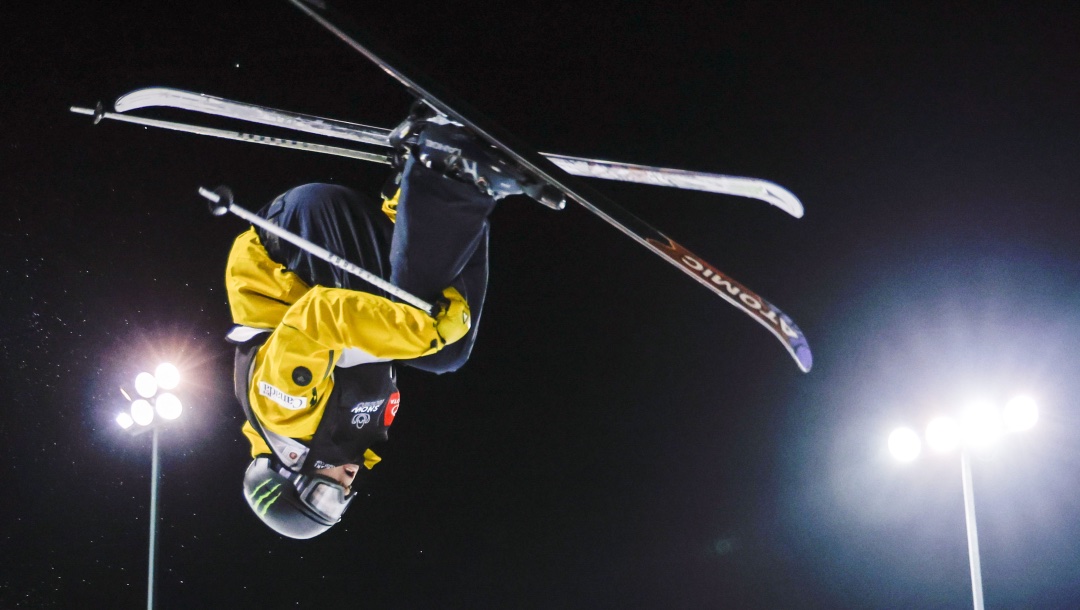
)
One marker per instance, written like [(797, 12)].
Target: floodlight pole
[(972, 531), (154, 469)]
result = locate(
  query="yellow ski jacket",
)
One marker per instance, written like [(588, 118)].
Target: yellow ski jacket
[(313, 330)]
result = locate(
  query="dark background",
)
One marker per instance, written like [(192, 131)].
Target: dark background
[(621, 438)]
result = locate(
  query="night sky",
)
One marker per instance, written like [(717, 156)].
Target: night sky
[(621, 438)]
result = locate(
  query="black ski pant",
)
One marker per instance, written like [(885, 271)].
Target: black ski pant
[(440, 239)]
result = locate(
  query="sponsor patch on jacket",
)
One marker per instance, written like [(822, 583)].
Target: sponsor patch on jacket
[(391, 408), (288, 401), (367, 407), (361, 419)]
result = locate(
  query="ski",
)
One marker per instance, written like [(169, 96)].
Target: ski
[(626, 172), (152, 97), (545, 171), (740, 186)]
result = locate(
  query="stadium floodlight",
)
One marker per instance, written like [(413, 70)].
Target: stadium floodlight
[(168, 407), (145, 385), (125, 420), (167, 376), (142, 412), (904, 444), (979, 426)]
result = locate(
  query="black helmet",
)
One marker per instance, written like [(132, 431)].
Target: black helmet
[(293, 504)]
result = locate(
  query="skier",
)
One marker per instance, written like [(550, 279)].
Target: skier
[(316, 348)]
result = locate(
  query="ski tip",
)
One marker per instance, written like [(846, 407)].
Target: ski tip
[(784, 199), (133, 100), (148, 97), (795, 342), (804, 358)]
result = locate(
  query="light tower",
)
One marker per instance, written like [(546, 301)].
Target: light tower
[(979, 425), (153, 398)]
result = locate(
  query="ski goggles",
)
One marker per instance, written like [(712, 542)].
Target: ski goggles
[(326, 497), (323, 496)]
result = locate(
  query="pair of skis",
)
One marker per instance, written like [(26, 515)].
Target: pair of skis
[(552, 170), (157, 97)]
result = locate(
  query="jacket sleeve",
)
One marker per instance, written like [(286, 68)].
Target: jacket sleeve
[(260, 290), (337, 319)]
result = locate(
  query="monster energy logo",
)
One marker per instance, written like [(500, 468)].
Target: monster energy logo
[(261, 500)]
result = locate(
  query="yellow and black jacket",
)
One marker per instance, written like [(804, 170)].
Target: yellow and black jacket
[(313, 330)]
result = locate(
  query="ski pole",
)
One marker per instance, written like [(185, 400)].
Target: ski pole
[(99, 113), (221, 203)]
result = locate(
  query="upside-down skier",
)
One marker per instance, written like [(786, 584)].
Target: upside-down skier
[(317, 348)]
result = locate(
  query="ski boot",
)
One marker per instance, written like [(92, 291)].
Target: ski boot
[(450, 148)]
